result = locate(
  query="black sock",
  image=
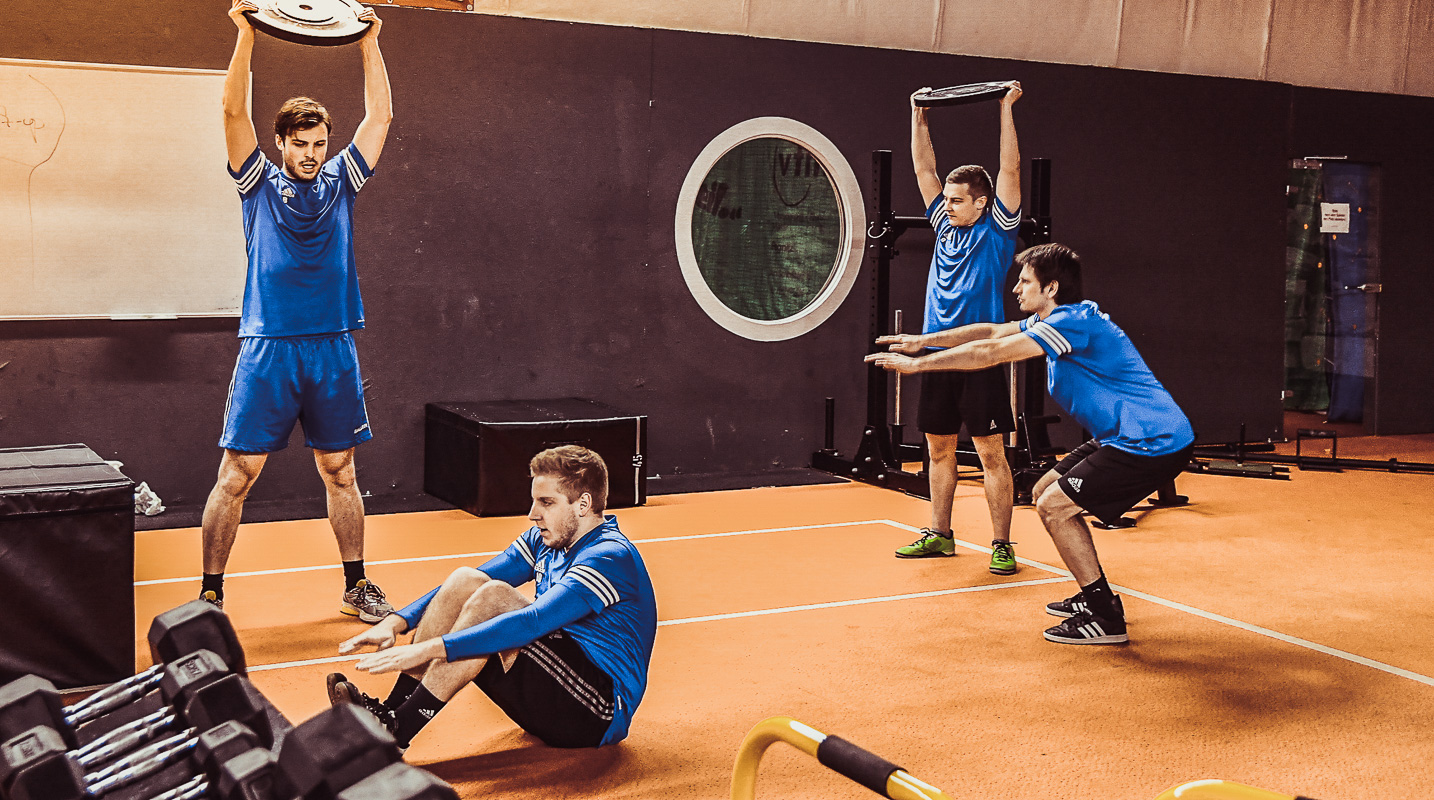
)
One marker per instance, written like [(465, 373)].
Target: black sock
[(1100, 599), (417, 711), (402, 690), (353, 573), (213, 582)]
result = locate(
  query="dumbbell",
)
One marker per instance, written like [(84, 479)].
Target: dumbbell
[(32, 700), (232, 698), (231, 701), (196, 625), (332, 751), (400, 782), (232, 764)]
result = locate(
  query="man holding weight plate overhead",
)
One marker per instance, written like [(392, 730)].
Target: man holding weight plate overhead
[(297, 359), (976, 226)]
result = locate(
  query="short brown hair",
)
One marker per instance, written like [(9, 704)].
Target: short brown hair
[(577, 469), (1055, 262), (301, 113), (975, 177)]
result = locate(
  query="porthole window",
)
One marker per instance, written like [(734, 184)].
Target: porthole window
[(768, 228)]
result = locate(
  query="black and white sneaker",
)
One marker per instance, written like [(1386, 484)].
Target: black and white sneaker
[(342, 691), (1084, 627), (1075, 604)]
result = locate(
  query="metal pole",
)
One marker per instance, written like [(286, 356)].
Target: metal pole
[(897, 416)]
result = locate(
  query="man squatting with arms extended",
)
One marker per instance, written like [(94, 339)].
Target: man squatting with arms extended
[(297, 360), (570, 667), (975, 239), (1142, 438)]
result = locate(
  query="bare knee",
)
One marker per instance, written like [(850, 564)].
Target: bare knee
[(237, 476), (466, 580), (489, 599), (992, 451), (1044, 483), (941, 448), (1053, 505), (336, 468)]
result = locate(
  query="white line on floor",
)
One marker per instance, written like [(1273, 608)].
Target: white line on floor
[(1065, 575), (743, 614), (1213, 617), (491, 553)]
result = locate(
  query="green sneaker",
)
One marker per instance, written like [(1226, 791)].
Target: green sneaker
[(930, 544), (1003, 558)]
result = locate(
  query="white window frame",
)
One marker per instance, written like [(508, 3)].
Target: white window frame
[(851, 208)]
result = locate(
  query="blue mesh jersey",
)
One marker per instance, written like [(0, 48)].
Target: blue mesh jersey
[(1095, 374), (299, 235), (597, 591), (969, 266)]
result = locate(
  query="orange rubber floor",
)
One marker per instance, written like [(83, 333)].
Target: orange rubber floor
[(1279, 638)]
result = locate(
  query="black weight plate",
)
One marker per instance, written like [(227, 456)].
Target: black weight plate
[(312, 22), (961, 95)]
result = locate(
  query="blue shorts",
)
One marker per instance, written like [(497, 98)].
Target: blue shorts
[(282, 380)]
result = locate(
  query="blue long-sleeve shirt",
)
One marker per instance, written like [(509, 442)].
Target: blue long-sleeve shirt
[(597, 591)]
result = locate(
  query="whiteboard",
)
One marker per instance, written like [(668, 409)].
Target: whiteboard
[(114, 197)]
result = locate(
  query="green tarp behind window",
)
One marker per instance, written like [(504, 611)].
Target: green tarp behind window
[(766, 229)]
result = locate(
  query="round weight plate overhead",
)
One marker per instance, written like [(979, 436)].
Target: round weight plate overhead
[(961, 95), (315, 22)]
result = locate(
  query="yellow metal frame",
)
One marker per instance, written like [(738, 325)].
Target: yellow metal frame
[(899, 786), (1219, 790)]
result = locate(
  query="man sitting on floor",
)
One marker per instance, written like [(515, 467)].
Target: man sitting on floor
[(1142, 439), (570, 667)]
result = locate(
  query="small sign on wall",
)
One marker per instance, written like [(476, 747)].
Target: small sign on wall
[(1334, 217)]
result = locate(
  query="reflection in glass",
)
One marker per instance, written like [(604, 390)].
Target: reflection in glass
[(766, 229)]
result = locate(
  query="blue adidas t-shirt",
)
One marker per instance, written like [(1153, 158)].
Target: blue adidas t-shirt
[(616, 629), (299, 236), (969, 266), (1094, 373)]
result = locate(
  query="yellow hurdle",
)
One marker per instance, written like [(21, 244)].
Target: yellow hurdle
[(884, 777), (835, 753), (1221, 790)]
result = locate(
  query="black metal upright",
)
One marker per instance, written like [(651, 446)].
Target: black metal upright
[(880, 244), (878, 457), (1038, 232)]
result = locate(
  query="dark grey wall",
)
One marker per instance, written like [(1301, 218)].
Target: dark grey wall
[(517, 240)]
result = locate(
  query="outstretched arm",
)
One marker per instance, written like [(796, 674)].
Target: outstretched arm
[(913, 344), (239, 137), (377, 97), (923, 155), (963, 358), (1008, 180)]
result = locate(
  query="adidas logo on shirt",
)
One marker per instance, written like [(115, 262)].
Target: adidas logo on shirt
[(1075, 484)]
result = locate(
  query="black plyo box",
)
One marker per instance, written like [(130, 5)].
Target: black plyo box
[(67, 534), (475, 455)]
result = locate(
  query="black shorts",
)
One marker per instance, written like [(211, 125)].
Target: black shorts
[(981, 400), (1108, 482), (552, 691)]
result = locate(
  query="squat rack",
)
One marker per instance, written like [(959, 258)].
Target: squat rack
[(883, 450)]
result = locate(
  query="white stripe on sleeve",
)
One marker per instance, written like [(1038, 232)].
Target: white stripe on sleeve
[(526, 552), (251, 177), (1005, 220), (596, 581), (356, 177), (1051, 336)]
